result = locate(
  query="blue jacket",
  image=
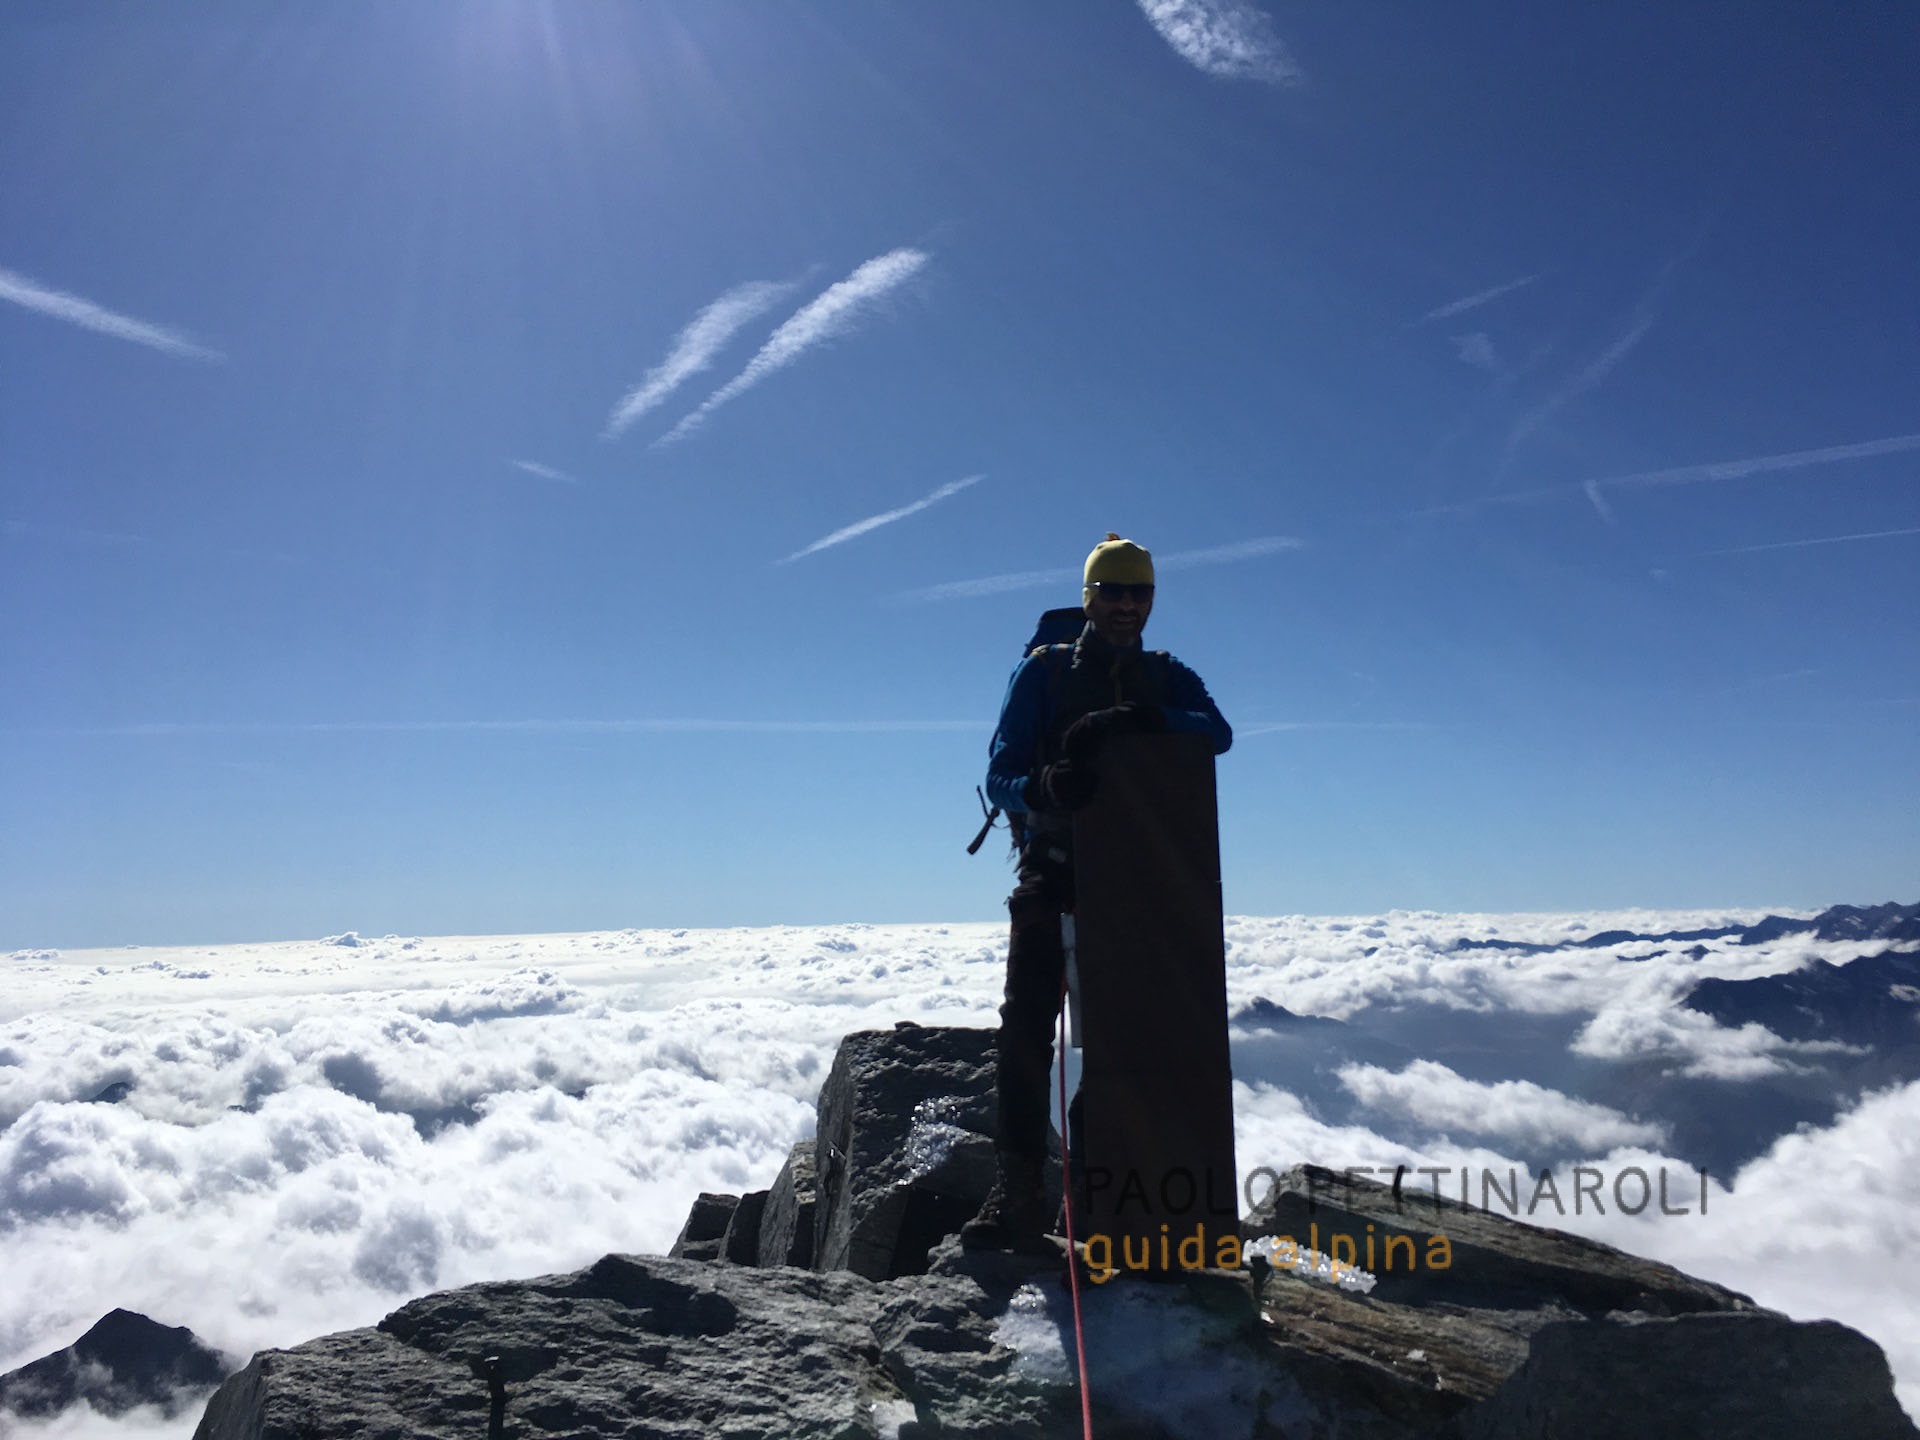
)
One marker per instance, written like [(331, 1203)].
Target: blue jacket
[(1026, 722)]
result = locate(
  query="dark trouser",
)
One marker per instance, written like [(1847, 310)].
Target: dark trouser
[(1036, 969)]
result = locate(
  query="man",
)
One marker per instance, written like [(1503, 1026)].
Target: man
[(1063, 704)]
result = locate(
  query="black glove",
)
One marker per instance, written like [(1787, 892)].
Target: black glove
[(1091, 731), (1062, 785)]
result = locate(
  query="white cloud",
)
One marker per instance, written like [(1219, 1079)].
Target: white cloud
[(831, 313), (1768, 464), (1282, 727), (874, 522), (422, 1113), (89, 316), (1228, 39), (1698, 1044), (1036, 579), (1823, 540), (674, 725), (1227, 554), (1529, 1115), (695, 348), (1701, 473), (994, 584), (1591, 375), (544, 472), (1477, 350), (1475, 300), (1822, 1226)]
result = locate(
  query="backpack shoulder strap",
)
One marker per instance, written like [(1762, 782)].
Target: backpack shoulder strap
[(1059, 663)]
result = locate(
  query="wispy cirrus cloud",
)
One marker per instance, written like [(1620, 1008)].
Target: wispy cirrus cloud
[(544, 472), (41, 531), (1227, 554), (1475, 300), (831, 313), (1822, 540), (1228, 39), (1764, 464), (88, 316), (993, 585), (1695, 474), (1066, 575), (1289, 727), (695, 348), (874, 522), (1592, 374), (1477, 350), (664, 726)]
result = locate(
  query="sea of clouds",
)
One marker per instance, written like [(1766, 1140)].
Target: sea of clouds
[(307, 1134)]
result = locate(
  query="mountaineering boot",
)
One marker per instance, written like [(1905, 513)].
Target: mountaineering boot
[(1014, 1216)]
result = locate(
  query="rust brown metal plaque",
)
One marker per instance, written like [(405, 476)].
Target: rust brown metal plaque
[(1157, 1079)]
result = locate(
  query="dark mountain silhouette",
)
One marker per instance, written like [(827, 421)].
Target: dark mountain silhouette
[(125, 1360)]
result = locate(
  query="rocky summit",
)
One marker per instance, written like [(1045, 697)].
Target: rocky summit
[(838, 1304)]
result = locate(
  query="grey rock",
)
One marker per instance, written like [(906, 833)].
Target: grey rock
[(125, 1360), (641, 1347), (1494, 1262), (741, 1243), (1749, 1374), (787, 1222), (706, 1227), (650, 1348), (1522, 1331), (905, 1145), (1432, 1340)]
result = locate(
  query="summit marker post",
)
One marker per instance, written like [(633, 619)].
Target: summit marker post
[(1157, 1078)]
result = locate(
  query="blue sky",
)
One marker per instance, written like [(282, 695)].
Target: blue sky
[(1532, 395)]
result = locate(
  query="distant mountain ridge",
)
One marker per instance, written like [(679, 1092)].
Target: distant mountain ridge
[(1866, 1013), (1891, 921)]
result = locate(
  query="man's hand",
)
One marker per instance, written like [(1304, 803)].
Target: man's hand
[(1091, 731), (1063, 785)]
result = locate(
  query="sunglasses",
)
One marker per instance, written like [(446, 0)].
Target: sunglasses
[(1111, 591)]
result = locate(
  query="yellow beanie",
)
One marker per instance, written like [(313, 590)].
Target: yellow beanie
[(1117, 560)]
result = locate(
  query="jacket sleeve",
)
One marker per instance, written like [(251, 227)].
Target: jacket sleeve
[(1016, 739), (1191, 711)]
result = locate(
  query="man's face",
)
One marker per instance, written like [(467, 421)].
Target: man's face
[(1119, 612)]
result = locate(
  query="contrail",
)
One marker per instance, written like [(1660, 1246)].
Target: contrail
[(1228, 39), (1596, 371), (992, 585), (1761, 464), (1695, 474), (1227, 554), (1283, 727), (688, 726), (1823, 540), (89, 316), (695, 347), (874, 522), (545, 472), (830, 313), (1036, 579), (1474, 301)]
